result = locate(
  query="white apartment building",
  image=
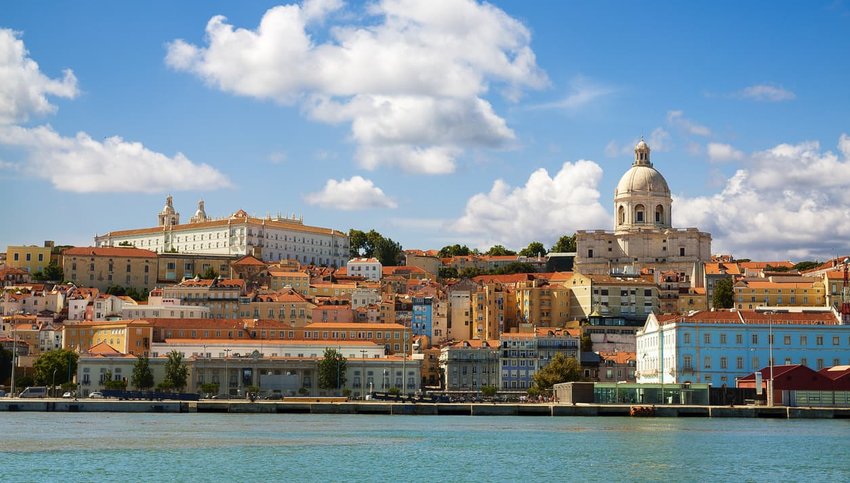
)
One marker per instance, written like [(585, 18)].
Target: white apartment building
[(368, 268)]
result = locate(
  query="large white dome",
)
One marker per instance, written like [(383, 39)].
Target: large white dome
[(642, 179)]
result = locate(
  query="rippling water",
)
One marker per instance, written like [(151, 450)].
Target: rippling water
[(293, 447)]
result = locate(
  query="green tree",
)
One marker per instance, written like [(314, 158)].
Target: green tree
[(566, 243), (176, 372), (209, 388), (469, 272), (447, 272), (116, 290), (515, 267), (142, 377), (533, 249), (488, 391), (52, 273), (209, 274), (358, 244), (454, 251), (332, 370), (62, 361), (110, 383), (560, 369), (499, 251), (724, 294), (5, 365), (586, 343), (807, 265), (387, 251)]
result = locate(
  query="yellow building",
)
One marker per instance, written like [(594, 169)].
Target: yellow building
[(284, 306), (492, 310), (694, 299), (607, 296), (780, 292), (331, 289), (31, 258), (125, 336), (298, 281), (542, 304), (102, 268)]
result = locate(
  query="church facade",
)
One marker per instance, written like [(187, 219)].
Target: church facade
[(270, 239), (643, 236)]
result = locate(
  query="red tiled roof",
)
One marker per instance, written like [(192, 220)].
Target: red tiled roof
[(248, 260), (117, 252)]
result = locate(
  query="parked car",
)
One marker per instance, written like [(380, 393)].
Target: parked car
[(68, 395), (96, 395)]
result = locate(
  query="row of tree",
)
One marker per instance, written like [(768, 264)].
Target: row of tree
[(566, 243), (58, 366)]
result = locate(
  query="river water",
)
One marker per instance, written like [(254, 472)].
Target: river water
[(294, 447)]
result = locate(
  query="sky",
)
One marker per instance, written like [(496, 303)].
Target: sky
[(434, 123)]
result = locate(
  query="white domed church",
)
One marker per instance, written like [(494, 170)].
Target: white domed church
[(643, 236)]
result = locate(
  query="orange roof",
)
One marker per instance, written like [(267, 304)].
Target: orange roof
[(239, 217), (763, 265), (272, 342), (618, 357), (248, 260), (353, 326), (117, 252), (752, 317), (104, 349), (477, 344)]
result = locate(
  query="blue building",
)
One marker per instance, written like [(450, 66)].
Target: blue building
[(522, 354), (718, 347), (421, 323)]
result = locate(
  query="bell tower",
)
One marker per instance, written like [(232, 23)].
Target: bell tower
[(168, 216)]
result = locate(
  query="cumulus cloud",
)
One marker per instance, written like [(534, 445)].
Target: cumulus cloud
[(544, 209), (718, 153), (410, 79), (789, 201), (356, 193), (677, 119), (84, 165), (766, 93), (23, 88), (79, 164)]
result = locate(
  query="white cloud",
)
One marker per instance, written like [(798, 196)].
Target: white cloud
[(23, 88), (410, 79), (718, 153), (677, 119), (84, 165), (544, 209), (356, 193), (789, 202), (80, 164), (582, 92), (766, 92)]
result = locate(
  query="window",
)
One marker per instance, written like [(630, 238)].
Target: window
[(739, 363), (787, 340), (739, 339), (835, 342), (682, 251), (686, 337), (804, 340), (706, 338), (722, 338), (707, 362), (755, 338), (687, 362), (723, 363), (819, 341)]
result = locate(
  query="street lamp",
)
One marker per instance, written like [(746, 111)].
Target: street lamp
[(363, 379), (226, 375), (53, 385)]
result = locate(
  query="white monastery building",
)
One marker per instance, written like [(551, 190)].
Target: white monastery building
[(643, 236), (270, 239)]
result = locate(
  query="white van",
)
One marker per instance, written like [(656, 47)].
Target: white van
[(36, 391)]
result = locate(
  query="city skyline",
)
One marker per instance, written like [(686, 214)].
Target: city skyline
[(451, 122)]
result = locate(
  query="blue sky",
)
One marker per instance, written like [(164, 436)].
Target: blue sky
[(433, 122)]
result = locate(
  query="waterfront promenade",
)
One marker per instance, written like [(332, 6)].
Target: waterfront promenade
[(306, 406)]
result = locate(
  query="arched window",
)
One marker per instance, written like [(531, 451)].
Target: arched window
[(659, 214), (639, 214), (621, 214)]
